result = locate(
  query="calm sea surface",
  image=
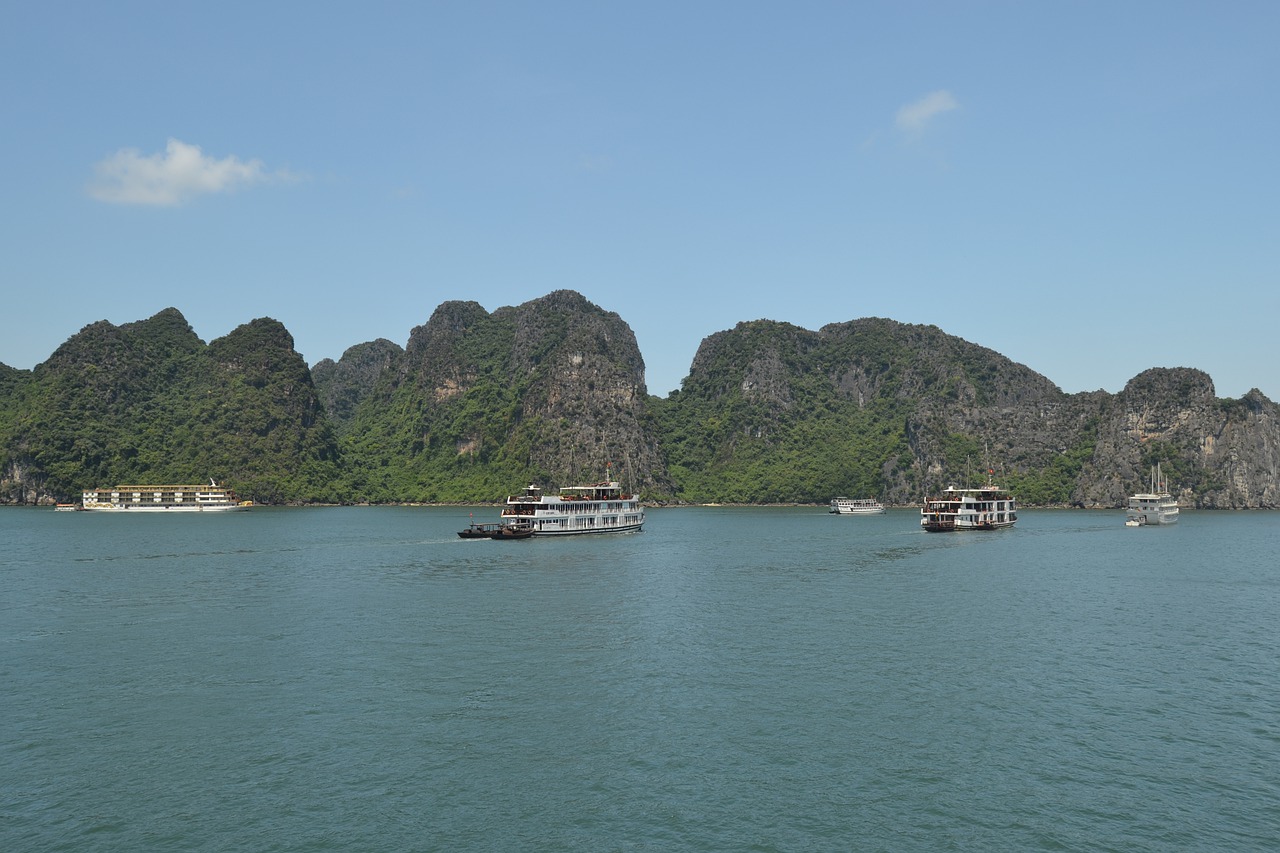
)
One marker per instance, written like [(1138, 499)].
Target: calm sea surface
[(360, 679)]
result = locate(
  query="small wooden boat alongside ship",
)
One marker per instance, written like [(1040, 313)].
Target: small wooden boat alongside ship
[(514, 531), (1156, 506), (496, 530), (856, 506), (210, 498), (987, 508), (478, 530)]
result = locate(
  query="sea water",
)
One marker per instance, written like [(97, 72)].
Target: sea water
[(765, 679)]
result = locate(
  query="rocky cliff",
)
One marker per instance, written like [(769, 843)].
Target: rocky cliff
[(1215, 453), (344, 384), (900, 410), (552, 391)]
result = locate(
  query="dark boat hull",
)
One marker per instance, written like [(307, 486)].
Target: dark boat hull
[(495, 531)]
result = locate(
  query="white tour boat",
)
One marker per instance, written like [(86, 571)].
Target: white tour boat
[(1154, 507), (210, 498), (987, 508), (596, 508), (856, 506)]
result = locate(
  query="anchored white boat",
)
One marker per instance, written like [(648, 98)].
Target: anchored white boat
[(1156, 506), (987, 508), (596, 508), (210, 498), (856, 506)]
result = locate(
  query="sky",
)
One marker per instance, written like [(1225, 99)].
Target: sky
[(1091, 189)]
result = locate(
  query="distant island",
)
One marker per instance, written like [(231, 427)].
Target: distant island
[(478, 404)]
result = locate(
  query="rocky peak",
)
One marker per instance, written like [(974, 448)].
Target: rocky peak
[(343, 385)]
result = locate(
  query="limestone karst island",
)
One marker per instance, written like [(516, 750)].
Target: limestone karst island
[(477, 405)]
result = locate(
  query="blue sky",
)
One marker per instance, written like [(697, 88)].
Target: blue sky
[(1089, 188)]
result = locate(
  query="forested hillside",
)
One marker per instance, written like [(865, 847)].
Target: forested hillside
[(478, 404), (149, 402)]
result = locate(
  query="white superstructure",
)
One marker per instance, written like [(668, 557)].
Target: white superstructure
[(1154, 507), (988, 508), (210, 498), (856, 506), (597, 508)]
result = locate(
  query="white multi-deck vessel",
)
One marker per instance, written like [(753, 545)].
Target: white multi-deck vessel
[(597, 508), (987, 508), (856, 506), (1156, 506), (210, 498)]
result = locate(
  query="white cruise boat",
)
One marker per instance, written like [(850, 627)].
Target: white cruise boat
[(856, 506), (987, 508), (210, 498), (597, 508), (1156, 506)]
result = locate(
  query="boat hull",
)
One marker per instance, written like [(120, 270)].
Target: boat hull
[(954, 527), (548, 530), (142, 509), (857, 509)]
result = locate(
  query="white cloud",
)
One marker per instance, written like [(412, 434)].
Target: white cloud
[(179, 174), (915, 117)]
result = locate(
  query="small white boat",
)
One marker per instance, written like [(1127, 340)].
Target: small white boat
[(1156, 506), (856, 506)]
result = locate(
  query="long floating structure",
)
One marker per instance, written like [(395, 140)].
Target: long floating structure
[(210, 498)]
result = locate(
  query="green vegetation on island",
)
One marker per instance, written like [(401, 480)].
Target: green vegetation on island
[(479, 404)]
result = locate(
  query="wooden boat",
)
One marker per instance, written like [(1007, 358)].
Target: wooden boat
[(476, 530), (496, 530), (514, 531)]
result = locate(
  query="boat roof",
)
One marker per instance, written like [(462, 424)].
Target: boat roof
[(186, 487), (604, 484)]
